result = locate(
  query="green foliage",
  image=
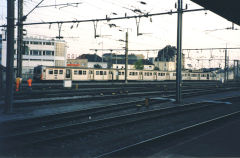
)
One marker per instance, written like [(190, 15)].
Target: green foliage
[(97, 66), (139, 65), (167, 53)]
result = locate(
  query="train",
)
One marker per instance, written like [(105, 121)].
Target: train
[(100, 74)]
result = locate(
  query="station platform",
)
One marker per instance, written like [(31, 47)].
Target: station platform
[(39, 111)]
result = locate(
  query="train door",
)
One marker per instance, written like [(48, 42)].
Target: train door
[(199, 76), (155, 76), (110, 75), (68, 74), (117, 75), (207, 76), (91, 75), (167, 76)]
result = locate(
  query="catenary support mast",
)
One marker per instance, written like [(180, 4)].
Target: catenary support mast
[(179, 54), (10, 54)]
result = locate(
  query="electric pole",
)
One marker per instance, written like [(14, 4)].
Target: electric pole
[(20, 38), (10, 57), (226, 68), (179, 54), (126, 58)]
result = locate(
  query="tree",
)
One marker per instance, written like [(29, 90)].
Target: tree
[(97, 66), (168, 53), (138, 65)]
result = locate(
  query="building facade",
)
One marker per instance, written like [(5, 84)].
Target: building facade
[(77, 63), (38, 52)]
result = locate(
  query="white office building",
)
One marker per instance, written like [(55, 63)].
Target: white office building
[(38, 52)]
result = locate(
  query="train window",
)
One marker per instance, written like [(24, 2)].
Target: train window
[(50, 72), (140, 73), (55, 71), (155, 73), (130, 73), (136, 73), (101, 72), (150, 74), (60, 71), (105, 73), (90, 72), (110, 72), (80, 72), (97, 72), (174, 74), (84, 72), (44, 70), (122, 73), (75, 72), (167, 74)]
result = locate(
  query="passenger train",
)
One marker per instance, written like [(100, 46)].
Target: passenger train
[(95, 74)]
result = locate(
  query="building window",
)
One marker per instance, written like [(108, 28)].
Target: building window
[(48, 52), (48, 43), (35, 52)]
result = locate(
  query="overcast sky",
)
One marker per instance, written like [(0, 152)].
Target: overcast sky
[(200, 29)]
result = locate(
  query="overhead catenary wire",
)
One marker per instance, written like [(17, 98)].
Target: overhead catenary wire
[(110, 19)]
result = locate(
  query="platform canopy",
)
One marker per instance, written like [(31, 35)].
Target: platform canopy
[(228, 9)]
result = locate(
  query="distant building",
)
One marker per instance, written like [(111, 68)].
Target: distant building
[(139, 56), (77, 63), (165, 65), (112, 58), (94, 60), (38, 52), (120, 64), (166, 59)]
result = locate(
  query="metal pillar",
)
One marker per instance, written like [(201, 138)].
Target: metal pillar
[(236, 69), (10, 55), (126, 58), (225, 67), (179, 54), (20, 38)]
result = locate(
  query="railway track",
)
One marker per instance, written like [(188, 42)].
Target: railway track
[(85, 128), (101, 96), (114, 108), (135, 149), (96, 91)]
